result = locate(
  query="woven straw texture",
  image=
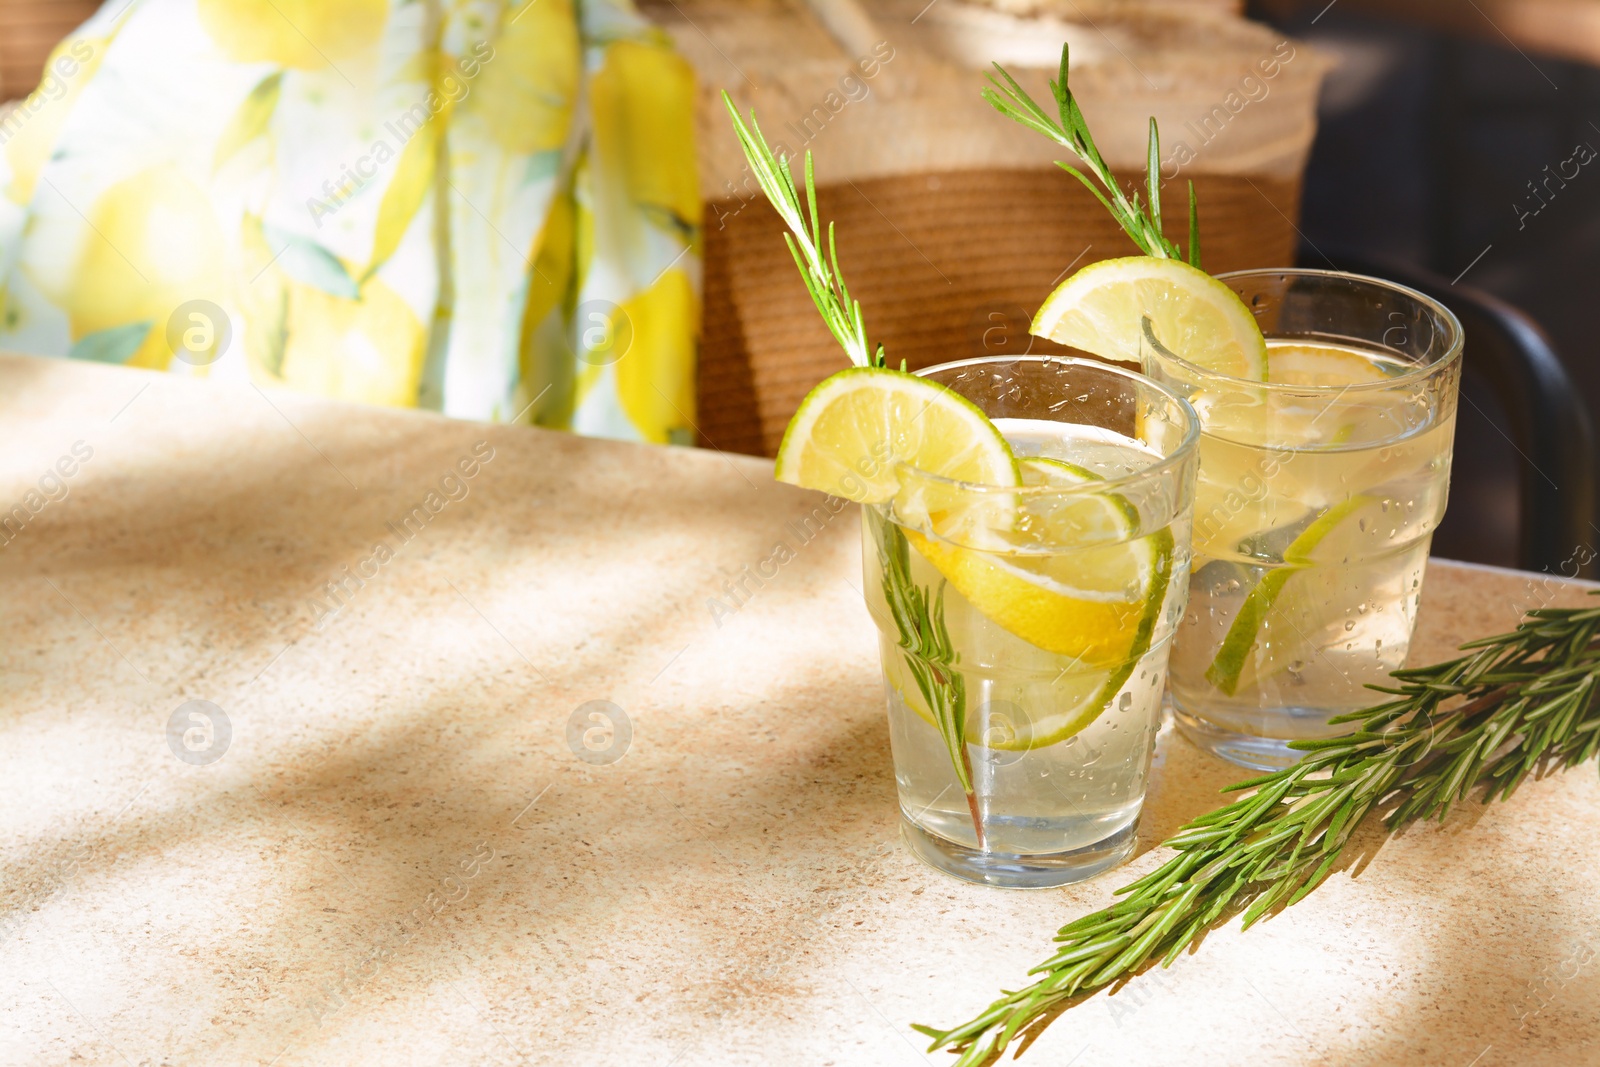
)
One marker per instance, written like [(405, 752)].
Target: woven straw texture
[(29, 29), (953, 224), (946, 266)]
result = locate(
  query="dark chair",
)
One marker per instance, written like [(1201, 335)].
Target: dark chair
[(1550, 426)]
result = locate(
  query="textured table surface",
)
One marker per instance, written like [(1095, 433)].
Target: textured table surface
[(398, 857)]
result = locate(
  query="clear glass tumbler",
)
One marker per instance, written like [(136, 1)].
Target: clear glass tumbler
[(1318, 495), (1025, 630)]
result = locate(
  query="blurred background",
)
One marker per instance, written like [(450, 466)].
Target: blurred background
[(1448, 143), (1440, 125)]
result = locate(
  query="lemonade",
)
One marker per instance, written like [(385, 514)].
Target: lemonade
[(1327, 410), (1028, 522), (1025, 617), (1027, 554), (1060, 740), (1320, 487), (1026, 558), (1331, 541)]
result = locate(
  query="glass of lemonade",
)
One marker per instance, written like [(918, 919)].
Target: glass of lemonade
[(1050, 609), (1318, 494)]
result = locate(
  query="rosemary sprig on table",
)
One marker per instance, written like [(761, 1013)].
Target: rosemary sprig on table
[(918, 612), (1140, 222), (1528, 703)]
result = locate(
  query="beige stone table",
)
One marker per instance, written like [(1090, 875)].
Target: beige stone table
[(398, 856)]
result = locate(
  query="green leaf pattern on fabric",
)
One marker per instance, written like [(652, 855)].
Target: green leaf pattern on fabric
[(116, 344), (250, 121)]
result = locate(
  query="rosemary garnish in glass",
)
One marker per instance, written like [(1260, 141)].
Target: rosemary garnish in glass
[(918, 611), (1141, 222)]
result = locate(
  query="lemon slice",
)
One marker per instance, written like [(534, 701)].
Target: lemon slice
[(854, 429), (1325, 366), (1084, 520), (1098, 605), (1099, 310), (1093, 605)]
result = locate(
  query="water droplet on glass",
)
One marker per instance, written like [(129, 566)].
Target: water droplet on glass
[(1124, 703), (1349, 624)]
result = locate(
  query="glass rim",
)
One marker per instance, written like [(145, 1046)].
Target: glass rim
[(1159, 466), (1418, 373)]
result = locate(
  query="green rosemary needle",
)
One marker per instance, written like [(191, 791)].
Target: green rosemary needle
[(820, 273), (1142, 223), (1527, 702)]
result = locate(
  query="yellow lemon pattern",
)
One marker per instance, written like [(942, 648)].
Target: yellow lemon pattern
[(362, 200), (379, 338), (152, 244), (307, 34), (643, 101), (526, 94), (662, 322), (31, 130)]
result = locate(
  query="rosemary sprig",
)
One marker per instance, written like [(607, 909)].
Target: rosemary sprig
[(929, 655), (840, 312), (1140, 222), (1527, 703), (918, 614)]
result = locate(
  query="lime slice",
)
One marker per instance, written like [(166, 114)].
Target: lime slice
[(1049, 519), (1326, 540), (1098, 605), (1099, 310), (1114, 632), (1072, 701), (1042, 470), (1094, 605), (853, 430)]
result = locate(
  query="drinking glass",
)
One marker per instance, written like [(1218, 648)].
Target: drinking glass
[(1318, 495), (1025, 630)]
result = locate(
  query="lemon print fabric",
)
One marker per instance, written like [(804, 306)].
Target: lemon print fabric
[(488, 208)]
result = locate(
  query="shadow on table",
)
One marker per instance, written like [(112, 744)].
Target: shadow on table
[(334, 847)]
